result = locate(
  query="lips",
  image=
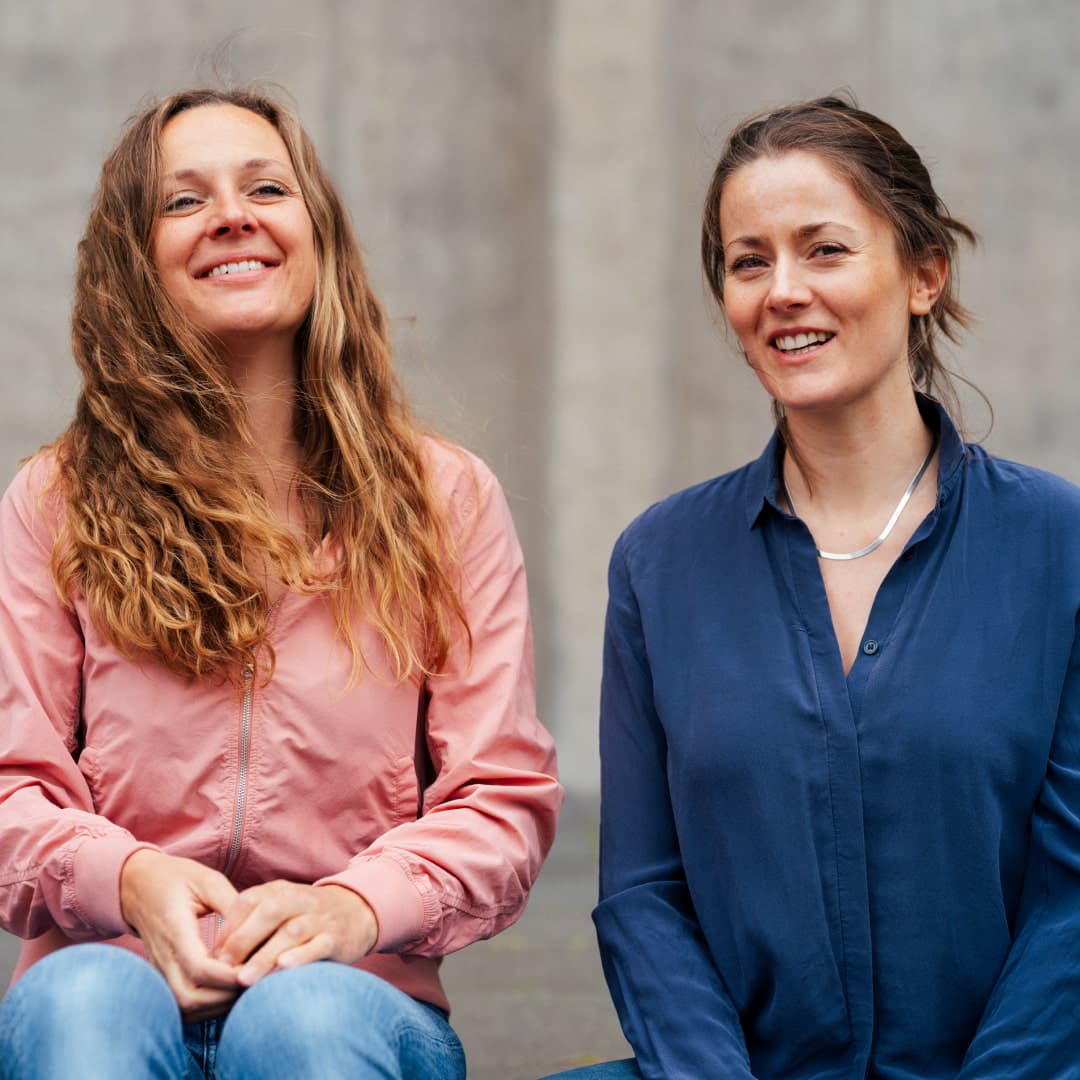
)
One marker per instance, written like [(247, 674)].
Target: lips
[(235, 266), (800, 341)]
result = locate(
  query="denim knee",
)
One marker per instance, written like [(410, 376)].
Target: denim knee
[(88, 1010), (85, 983), (313, 993), (329, 1019)]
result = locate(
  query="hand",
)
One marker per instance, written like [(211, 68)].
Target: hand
[(162, 897), (282, 924)]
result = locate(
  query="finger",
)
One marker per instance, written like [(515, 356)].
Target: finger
[(234, 928), (295, 933), (215, 891), (208, 1008), (185, 974), (190, 997), (244, 939), (186, 951), (210, 972), (189, 993), (319, 947), (256, 915)]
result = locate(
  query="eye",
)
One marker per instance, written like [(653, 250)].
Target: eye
[(746, 262), (270, 189), (829, 248), (177, 204)]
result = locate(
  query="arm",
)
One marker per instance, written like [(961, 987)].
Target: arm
[(671, 1000), (1029, 1029), (62, 864), (59, 861), (463, 871)]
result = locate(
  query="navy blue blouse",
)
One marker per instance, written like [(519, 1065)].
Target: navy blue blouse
[(806, 875)]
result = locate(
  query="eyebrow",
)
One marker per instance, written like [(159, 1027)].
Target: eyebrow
[(804, 232), (251, 165)]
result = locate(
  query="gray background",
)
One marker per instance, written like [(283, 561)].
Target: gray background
[(526, 178)]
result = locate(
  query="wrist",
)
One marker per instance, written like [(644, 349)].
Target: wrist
[(132, 874), (363, 924)]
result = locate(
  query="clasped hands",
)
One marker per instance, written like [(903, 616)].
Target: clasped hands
[(279, 924)]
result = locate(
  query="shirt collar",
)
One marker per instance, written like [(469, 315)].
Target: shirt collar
[(764, 480)]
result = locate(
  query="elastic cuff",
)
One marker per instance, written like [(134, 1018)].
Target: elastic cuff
[(95, 875)]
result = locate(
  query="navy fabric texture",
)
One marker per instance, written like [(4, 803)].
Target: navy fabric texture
[(806, 875)]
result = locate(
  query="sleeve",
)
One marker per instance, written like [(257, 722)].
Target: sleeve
[(672, 1003), (1029, 1029), (59, 861), (463, 871)]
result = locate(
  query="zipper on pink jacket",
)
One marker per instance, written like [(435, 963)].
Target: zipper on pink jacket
[(245, 750), (242, 776)]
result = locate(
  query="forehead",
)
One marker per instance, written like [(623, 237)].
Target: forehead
[(793, 190), (211, 136)]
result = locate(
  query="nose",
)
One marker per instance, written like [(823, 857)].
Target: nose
[(232, 214), (788, 287)]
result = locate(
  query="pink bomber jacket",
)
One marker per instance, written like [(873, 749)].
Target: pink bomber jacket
[(299, 778)]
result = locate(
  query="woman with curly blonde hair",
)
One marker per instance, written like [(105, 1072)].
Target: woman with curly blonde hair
[(265, 657)]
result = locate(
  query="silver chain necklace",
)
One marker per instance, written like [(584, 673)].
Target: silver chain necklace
[(844, 556)]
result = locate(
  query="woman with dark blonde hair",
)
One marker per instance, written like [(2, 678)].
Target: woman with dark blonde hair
[(265, 656), (840, 717)]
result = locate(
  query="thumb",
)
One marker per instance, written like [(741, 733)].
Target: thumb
[(214, 891)]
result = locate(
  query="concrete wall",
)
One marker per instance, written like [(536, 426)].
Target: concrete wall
[(526, 177)]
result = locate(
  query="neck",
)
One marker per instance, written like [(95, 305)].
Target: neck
[(266, 379), (855, 460)]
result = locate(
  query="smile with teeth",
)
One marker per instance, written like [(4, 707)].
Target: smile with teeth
[(793, 344), (238, 267)]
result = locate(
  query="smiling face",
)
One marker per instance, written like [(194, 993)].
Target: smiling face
[(233, 245), (813, 284)]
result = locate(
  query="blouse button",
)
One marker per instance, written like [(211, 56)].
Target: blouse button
[(870, 646)]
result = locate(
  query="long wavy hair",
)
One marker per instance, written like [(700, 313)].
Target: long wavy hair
[(165, 535), (888, 175)]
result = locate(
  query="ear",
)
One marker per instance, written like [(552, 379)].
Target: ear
[(927, 281)]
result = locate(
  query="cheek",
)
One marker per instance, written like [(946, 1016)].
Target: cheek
[(886, 321), (739, 312), (303, 251), (166, 252)]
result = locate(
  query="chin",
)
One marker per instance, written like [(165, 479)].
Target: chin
[(806, 395)]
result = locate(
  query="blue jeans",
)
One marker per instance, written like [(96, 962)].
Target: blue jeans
[(99, 1011), (609, 1070)]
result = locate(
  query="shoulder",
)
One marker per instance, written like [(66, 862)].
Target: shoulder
[(463, 484), (452, 468), (33, 500), (1017, 488), (1026, 516), (713, 512)]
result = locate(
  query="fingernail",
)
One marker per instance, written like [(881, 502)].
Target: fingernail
[(248, 975)]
